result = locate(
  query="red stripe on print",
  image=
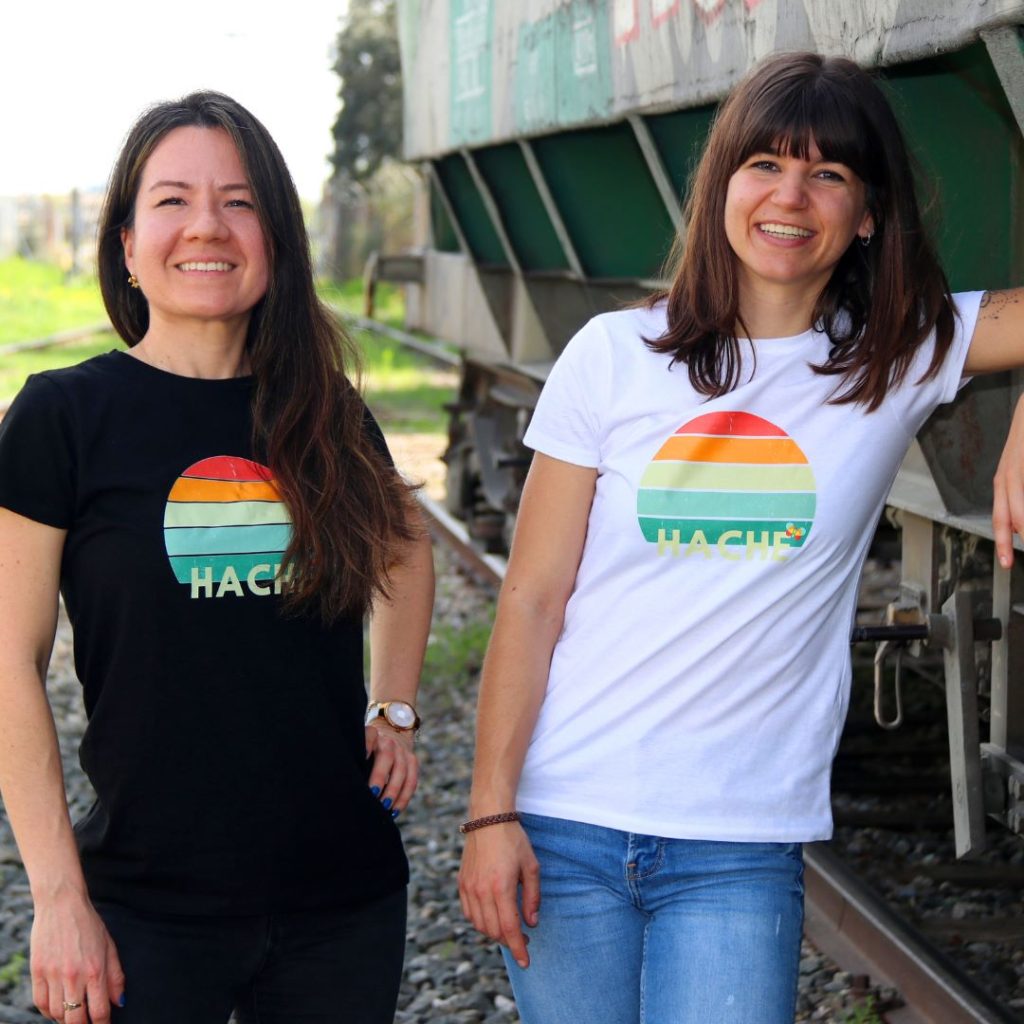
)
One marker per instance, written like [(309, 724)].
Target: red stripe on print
[(731, 424), (229, 467)]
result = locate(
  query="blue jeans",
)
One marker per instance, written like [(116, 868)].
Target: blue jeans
[(637, 929)]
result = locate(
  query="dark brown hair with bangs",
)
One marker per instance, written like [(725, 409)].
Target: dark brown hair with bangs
[(349, 507), (882, 301)]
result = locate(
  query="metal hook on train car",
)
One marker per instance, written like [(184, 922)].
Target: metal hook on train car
[(881, 651)]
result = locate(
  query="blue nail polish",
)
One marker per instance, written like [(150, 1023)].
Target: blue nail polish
[(395, 813), (387, 803), (120, 1001), (375, 790)]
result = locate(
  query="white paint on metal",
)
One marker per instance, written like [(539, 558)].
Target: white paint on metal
[(962, 714), (471, 44), (571, 256), (657, 168), (664, 54), (455, 308), (439, 189), (493, 214), (584, 43), (1004, 47)]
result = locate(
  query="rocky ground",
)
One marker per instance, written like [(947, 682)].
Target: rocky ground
[(452, 974)]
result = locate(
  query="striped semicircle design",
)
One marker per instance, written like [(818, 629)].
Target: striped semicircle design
[(728, 479), (225, 514)]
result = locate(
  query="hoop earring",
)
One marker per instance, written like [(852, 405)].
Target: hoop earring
[(865, 240), (133, 281)]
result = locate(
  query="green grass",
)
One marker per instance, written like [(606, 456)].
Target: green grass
[(15, 368), (348, 297), (12, 971), (455, 654), (37, 301), (406, 391), (863, 1014)]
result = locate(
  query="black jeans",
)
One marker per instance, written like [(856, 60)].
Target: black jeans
[(320, 967)]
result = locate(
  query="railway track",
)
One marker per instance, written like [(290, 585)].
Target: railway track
[(431, 349), (846, 919), (68, 337)]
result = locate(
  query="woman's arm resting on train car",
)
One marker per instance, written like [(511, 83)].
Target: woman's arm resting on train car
[(1008, 490), (998, 344), (399, 627), (550, 531), (998, 340), (73, 956)]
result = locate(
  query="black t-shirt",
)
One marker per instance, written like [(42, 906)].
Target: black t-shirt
[(225, 739)]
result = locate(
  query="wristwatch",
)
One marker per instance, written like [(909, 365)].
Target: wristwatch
[(399, 714)]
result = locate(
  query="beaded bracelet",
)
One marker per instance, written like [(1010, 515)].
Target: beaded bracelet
[(490, 819)]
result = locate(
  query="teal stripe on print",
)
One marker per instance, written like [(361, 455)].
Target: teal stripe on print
[(713, 529), (213, 567), (712, 476), (726, 504), (225, 513), (224, 540)]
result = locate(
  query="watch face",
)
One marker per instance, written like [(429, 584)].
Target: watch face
[(400, 714)]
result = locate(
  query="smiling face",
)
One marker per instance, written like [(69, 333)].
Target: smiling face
[(789, 220), (196, 244)]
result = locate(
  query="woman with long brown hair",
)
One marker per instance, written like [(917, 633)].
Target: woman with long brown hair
[(219, 511), (669, 670)]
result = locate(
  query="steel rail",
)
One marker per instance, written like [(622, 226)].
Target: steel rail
[(849, 922), (52, 340), (845, 919), (429, 347)]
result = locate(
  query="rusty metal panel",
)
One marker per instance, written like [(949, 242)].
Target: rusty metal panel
[(481, 71)]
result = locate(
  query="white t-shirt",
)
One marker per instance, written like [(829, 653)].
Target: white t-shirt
[(701, 679)]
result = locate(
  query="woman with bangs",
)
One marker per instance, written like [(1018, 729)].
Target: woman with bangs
[(669, 670), (219, 510)]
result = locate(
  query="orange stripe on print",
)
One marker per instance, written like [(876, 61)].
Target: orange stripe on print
[(185, 489), (731, 424), (770, 450)]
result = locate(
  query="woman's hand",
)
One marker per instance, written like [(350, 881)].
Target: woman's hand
[(496, 861), (74, 960), (396, 769), (1008, 490)]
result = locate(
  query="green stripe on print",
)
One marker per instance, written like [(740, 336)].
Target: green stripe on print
[(226, 540), (711, 476), (718, 504), (682, 530), (225, 513)]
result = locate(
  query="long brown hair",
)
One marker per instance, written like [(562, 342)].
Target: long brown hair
[(349, 507), (882, 300)]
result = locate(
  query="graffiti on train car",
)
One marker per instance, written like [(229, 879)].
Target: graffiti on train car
[(629, 12), (480, 71)]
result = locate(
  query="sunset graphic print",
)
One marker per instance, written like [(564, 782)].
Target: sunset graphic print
[(226, 528), (728, 484)]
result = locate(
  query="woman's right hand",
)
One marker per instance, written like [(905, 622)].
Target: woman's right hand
[(496, 861), (74, 960)]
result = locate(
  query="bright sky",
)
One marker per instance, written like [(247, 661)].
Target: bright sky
[(74, 75)]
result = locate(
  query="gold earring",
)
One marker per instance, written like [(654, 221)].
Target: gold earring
[(133, 281)]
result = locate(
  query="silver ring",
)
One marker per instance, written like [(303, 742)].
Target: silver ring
[(71, 1006)]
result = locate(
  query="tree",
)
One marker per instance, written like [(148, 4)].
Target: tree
[(369, 127)]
